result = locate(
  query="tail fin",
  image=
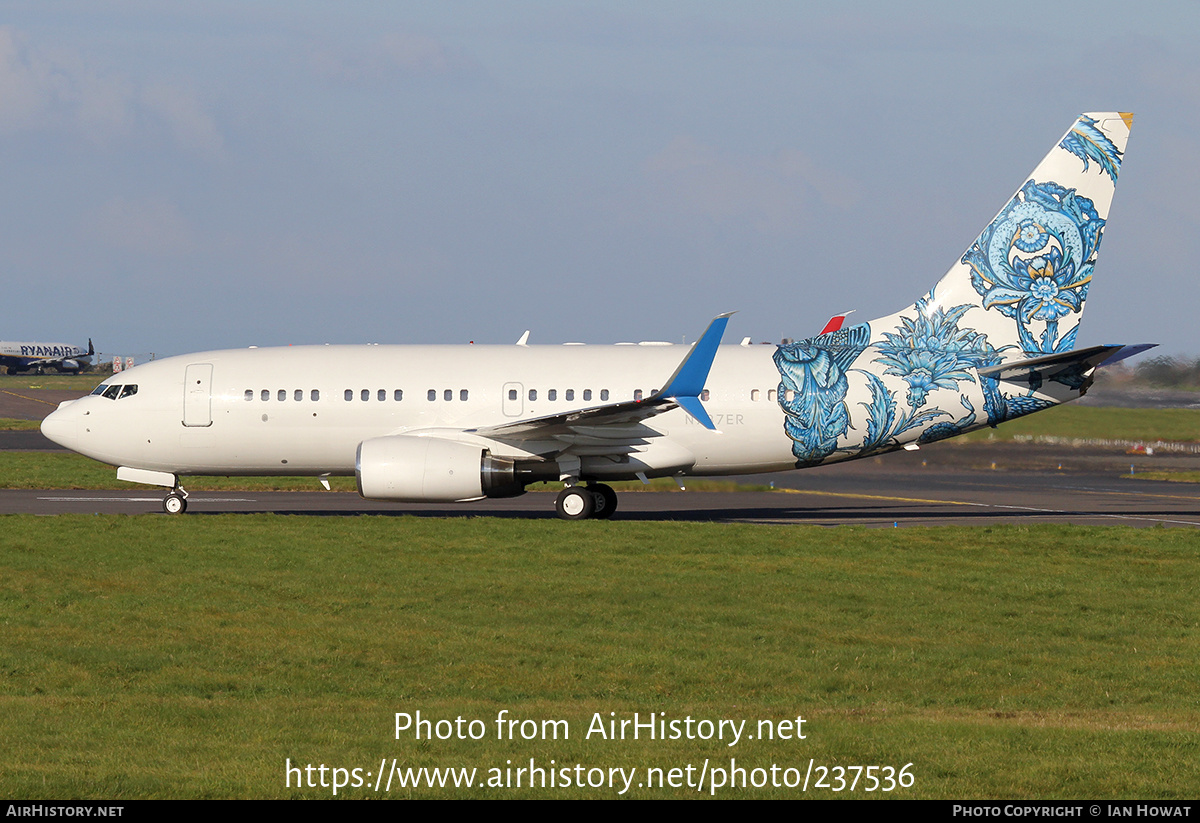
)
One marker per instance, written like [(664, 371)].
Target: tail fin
[(1026, 277), (993, 340)]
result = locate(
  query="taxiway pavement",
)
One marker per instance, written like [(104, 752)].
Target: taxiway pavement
[(864, 495), (945, 484)]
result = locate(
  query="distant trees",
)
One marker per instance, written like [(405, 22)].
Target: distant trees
[(1159, 372)]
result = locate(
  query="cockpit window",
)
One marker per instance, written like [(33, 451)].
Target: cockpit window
[(114, 391)]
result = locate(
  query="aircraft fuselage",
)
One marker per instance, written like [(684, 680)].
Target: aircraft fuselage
[(304, 410)]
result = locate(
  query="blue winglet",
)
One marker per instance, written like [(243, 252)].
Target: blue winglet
[(695, 408), (688, 381)]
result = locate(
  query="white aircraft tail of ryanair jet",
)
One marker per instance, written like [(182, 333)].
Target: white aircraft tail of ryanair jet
[(993, 340), (38, 357)]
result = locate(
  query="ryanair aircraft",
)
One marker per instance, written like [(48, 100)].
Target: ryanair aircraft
[(38, 357), (993, 340)]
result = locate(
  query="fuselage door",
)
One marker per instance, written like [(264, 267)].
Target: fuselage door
[(197, 395), (513, 401)]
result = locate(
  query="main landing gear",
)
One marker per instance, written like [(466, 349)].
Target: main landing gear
[(581, 502)]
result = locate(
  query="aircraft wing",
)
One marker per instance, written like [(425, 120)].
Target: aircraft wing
[(613, 414), (615, 423)]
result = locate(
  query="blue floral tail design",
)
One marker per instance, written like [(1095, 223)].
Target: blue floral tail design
[(886, 422), (813, 389), (1015, 296), (1086, 141), (1034, 263)]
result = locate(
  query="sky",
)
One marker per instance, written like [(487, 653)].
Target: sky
[(181, 176)]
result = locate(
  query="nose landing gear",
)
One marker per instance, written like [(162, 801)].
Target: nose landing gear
[(176, 501)]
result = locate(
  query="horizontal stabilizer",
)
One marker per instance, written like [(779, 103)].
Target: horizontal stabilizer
[(1127, 352), (1039, 369)]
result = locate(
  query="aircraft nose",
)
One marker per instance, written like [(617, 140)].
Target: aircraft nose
[(62, 425)]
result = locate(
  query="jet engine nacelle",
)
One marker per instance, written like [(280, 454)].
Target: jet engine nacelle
[(431, 469)]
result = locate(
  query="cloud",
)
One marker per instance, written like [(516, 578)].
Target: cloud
[(42, 91), (153, 227), (33, 91), (193, 129), (772, 193), (394, 54)]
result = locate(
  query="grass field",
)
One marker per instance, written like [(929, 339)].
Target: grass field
[(1170, 476), (193, 657), (83, 383), (1093, 423)]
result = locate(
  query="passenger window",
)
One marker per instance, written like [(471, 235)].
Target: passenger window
[(462, 395), (365, 394), (552, 394), (315, 394), (704, 395), (282, 395), (637, 395), (587, 395), (570, 395), (448, 394), (128, 391), (604, 395), (249, 394), (533, 394), (349, 395), (754, 395), (298, 395), (432, 395), (512, 394), (382, 395), (398, 395), (265, 395), (112, 391), (770, 395)]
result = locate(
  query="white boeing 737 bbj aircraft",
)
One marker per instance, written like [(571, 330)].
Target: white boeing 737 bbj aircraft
[(993, 340)]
